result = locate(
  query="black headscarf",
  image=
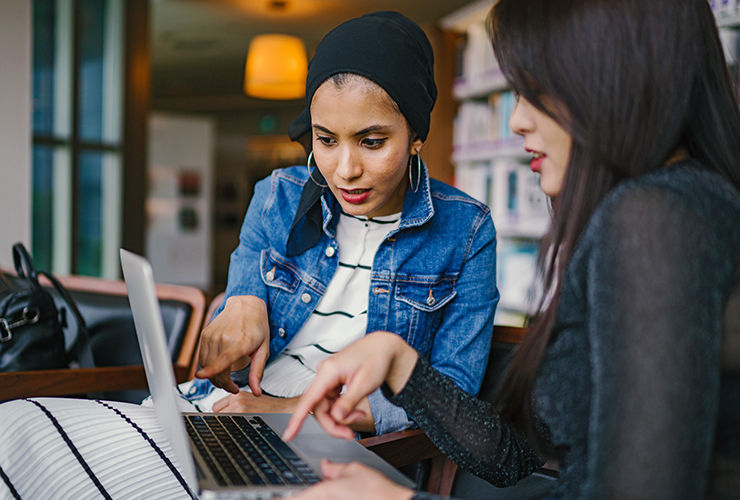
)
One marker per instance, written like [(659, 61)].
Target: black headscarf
[(392, 51)]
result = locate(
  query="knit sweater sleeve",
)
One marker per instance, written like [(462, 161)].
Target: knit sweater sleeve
[(465, 428)]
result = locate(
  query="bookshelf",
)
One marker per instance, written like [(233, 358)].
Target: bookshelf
[(491, 163)]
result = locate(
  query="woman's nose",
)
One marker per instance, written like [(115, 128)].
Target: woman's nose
[(348, 167), (520, 121)]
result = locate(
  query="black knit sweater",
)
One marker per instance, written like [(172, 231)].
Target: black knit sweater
[(640, 387)]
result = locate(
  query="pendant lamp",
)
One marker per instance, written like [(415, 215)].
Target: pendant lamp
[(276, 67)]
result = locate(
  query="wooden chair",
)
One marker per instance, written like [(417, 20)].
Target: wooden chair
[(406, 447), (104, 305)]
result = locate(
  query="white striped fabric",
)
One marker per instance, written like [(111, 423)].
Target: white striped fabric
[(340, 317), (38, 463)]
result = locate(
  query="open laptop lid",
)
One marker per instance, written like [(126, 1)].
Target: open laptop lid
[(142, 294)]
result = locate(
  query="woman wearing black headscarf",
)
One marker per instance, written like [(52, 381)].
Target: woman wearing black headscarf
[(359, 240)]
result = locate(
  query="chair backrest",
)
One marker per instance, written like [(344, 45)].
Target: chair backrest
[(104, 306), (503, 341)]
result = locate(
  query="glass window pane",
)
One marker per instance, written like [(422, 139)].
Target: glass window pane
[(67, 233), (91, 70), (88, 258), (43, 66), (43, 206)]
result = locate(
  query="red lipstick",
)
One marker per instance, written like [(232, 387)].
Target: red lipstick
[(355, 196), (536, 163)]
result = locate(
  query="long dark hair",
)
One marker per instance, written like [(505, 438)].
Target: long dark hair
[(633, 82)]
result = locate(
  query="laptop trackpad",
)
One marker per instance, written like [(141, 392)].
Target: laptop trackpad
[(338, 450), (314, 442)]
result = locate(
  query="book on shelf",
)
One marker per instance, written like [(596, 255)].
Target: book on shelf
[(478, 56), (504, 104), (724, 7), (730, 39), (477, 70), (474, 123), (474, 178), (484, 122), (516, 272), (518, 206)]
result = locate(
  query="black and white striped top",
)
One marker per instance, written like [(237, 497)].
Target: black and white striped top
[(340, 317)]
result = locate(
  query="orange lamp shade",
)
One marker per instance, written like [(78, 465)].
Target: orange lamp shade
[(276, 67)]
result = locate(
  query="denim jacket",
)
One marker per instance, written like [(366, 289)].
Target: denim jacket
[(432, 281)]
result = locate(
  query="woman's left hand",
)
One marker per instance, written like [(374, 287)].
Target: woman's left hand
[(356, 481), (246, 402), (360, 368)]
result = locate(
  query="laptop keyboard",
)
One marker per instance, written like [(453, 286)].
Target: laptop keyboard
[(246, 451)]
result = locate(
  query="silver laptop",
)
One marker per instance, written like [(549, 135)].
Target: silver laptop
[(230, 455)]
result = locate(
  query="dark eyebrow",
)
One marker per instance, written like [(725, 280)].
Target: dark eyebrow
[(372, 128), (323, 129)]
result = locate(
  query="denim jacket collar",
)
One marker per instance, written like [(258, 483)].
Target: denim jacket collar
[(417, 206)]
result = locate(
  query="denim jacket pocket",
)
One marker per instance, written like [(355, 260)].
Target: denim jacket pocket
[(277, 272), (426, 296), (424, 302)]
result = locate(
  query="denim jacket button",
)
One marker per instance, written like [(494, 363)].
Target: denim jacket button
[(431, 300), (281, 333), (270, 275), (306, 298), (329, 252)]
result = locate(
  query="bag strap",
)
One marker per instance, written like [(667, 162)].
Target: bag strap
[(22, 259), (25, 269), (82, 344)]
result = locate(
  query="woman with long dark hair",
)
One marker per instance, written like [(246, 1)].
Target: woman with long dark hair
[(630, 374)]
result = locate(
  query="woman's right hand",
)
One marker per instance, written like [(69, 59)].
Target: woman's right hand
[(362, 367), (240, 335), (356, 481)]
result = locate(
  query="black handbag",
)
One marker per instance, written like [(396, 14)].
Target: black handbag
[(31, 326)]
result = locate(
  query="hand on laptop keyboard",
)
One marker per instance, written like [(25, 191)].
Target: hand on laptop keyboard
[(240, 335)]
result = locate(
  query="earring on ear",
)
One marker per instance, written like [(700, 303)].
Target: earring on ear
[(418, 172), (308, 166)]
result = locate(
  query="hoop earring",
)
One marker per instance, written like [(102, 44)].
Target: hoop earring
[(308, 166), (418, 172)]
